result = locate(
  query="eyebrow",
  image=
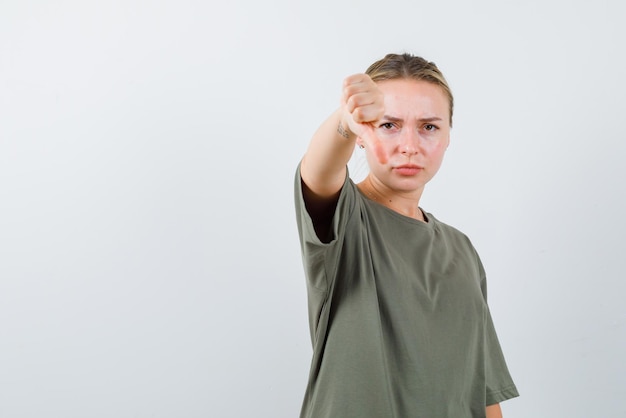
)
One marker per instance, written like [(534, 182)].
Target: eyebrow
[(395, 119)]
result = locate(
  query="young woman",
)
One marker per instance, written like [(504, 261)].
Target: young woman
[(398, 311)]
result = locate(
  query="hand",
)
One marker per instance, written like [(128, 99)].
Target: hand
[(363, 105)]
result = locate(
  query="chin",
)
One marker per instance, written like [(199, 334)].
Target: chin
[(408, 186)]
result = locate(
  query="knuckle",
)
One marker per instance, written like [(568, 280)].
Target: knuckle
[(357, 114), (350, 104)]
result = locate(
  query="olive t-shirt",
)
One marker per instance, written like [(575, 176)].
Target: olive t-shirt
[(398, 315)]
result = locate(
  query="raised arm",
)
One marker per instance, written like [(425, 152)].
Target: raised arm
[(323, 167)]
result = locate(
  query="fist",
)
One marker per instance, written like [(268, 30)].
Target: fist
[(362, 102)]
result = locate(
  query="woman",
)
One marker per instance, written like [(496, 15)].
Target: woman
[(397, 299)]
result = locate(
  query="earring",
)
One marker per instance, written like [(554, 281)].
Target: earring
[(361, 146)]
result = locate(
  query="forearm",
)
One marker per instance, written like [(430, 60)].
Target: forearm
[(323, 167), (494, 411)]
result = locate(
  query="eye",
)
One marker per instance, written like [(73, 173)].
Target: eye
[(430, 127), (387, 125)]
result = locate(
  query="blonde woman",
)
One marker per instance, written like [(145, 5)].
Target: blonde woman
[(398, 311)]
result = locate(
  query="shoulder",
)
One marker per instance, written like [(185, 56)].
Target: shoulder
[(456, 240), (325, 223), (449, 230)]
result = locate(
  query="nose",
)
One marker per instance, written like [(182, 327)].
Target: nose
[(409, 144)]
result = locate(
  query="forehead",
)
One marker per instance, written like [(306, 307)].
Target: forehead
[(408, 97)]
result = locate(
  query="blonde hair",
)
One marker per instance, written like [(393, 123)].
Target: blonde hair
[(407, 66)]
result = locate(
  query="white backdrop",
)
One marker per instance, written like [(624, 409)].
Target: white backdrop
[(149, 262)]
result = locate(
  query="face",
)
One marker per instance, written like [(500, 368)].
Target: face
[(414, 134)]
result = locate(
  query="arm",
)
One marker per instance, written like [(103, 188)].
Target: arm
[(494, 411), (323, 167)]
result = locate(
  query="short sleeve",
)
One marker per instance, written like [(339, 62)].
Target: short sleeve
[(320, 259), (499, 384)]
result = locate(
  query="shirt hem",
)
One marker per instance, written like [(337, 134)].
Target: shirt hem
[(502, 395)]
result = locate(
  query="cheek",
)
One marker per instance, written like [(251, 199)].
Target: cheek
[(378, 153), (437, 149), (436, 157), (381, 153)]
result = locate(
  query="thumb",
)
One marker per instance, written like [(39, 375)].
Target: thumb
[(372, 142)]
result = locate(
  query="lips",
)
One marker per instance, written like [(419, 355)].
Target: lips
[(408, 169)]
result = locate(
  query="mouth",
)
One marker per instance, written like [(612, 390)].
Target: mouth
[(408, 169)]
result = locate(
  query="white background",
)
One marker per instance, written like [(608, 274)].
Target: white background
[(149, 262)]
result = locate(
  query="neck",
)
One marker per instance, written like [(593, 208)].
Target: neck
[(405, 203)]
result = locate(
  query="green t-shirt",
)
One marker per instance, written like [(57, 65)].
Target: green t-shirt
[(399, 319)]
